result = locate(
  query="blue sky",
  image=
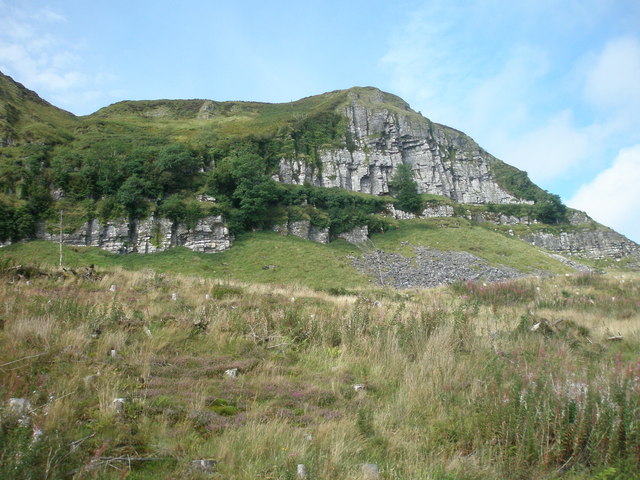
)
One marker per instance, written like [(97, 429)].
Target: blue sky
[(552, 87)]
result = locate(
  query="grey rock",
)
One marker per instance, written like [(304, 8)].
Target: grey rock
[(19, 406), (301, 471), (231, 373), (429, 268), (303, 229), (370, 471), (356, 235), (445, 162), (595, 244), (429, 212), (150, 235), (205, 465), (118, 404)]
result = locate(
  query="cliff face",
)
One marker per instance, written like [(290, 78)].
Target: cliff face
[(597, 244), (445, 162), (147, 236)]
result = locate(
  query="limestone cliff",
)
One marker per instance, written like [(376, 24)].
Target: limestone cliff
[(383, 132), (151, 235)]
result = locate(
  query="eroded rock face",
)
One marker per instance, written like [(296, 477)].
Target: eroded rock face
[(356, 235), (304, 229), (596, 244), (428, 212), (445, 162), (147, 236)]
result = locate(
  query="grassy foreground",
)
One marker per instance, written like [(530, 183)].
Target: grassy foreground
[(452, 382)]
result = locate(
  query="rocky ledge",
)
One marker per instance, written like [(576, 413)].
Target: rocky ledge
[(151, 235)]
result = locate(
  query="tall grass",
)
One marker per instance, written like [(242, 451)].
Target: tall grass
[(453, 382)]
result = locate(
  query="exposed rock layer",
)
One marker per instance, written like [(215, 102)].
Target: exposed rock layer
[(147, 236), (445, 162)]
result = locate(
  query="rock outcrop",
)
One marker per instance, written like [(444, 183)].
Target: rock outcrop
[(384, 135), (595, 244), (356, 235), (304, 229), (151, 235)]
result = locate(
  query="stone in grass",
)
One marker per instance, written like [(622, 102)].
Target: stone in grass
[(370, 471), (301, 471), (112, 288), (118, 404), (19, 406), (205, 465), (231, 373), (174, 296)]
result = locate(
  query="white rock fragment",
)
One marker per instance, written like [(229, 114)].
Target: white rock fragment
[(118, 404), (19, 406), (301, 471), (174, 296), (231, 373), (36, 434), (205, 465), (112, 288), (370, 471)]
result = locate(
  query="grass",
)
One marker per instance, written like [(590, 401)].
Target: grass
[(459, 234), (263, 257), (266, 257), (456, 384)]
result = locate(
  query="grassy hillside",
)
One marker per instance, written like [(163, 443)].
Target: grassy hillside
[(459, 234), (454, 383), (267, 257)]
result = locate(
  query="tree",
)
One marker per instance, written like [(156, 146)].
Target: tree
[(132, 196), (550, 209), (177, 167), (405, 189)]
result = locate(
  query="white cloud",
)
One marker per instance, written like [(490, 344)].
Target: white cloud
[(612, 198), (34, 54), (614, 80), (550, 150)]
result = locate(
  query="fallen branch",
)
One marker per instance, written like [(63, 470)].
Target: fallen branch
[(106, 461), (615, 338), (75, 444), (23, 358), (283, 344)]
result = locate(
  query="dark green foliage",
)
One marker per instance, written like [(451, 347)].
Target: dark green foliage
[(549, 209), (6, 221), (132, 196), (314, 132), (176, 167), (24, 223), (405, 189), (179, 210)]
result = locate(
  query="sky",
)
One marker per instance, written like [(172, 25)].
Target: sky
[(549, 86)]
